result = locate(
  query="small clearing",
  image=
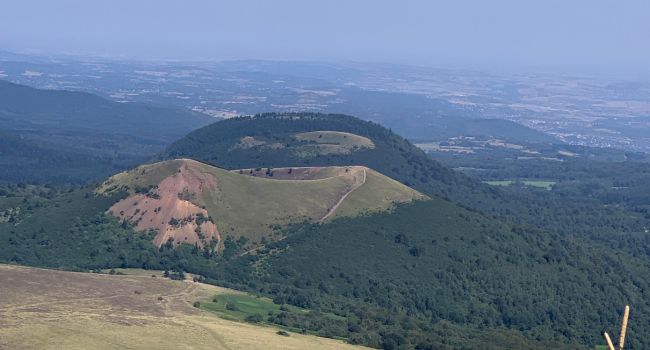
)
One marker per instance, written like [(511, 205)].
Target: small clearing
[(545, 184), (331, 142)]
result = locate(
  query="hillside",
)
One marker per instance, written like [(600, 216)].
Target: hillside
[(71, 310), (191, 202), (436, 274), (278, 140), (274, 140), (62, 136), (427, 274), (425, 118)]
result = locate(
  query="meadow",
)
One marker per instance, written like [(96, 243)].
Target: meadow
[(51, 309)]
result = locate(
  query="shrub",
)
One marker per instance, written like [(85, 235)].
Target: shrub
[(256, 318), (416, 251)]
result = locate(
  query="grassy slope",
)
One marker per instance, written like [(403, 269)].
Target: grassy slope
[(143, 176), (331, 142), (367, 196), (72, 310), (336, 137), (247, 206)]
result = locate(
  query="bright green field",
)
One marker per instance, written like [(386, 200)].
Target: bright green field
[(248, 305), (244, 306), (545, 184)]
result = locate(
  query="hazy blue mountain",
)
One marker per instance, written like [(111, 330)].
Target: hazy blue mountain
[(75, 136)]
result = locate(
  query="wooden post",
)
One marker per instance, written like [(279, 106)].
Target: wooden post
[(609, 342), (626, 315)]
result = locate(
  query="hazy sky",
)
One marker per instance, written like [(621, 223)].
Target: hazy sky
[(597, 34)]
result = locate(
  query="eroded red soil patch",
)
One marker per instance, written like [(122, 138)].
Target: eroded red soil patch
[(173, 208)]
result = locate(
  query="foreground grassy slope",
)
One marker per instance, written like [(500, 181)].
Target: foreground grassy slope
[(45, 309)]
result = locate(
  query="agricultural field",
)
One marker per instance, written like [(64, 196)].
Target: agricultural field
[(545, 184), (49, 309), (238, 306), (255, 309)]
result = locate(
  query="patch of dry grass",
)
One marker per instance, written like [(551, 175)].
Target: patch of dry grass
[(47, 309)]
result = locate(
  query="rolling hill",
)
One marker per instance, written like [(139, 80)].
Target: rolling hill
[(62, 136), (312, 139), (278, 140), (191, 202), (424, 118)]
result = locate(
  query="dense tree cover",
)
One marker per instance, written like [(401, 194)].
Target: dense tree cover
[(600, 193), (428, 275), (24, 159), (434, 261), (67, 228), (72, 137)]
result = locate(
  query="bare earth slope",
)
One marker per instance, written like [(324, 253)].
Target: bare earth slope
[(191, 202), (47, 309)]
